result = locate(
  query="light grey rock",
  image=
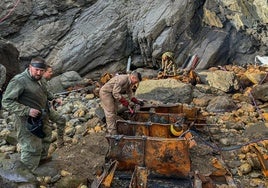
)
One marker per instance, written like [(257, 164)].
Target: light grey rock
[(223, 80), (221, 104), (165, 90), (60, 83)]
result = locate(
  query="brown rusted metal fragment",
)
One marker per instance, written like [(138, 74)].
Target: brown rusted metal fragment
[(106, 177), (191, 113), (263, 162), (139, 178), (221, 170), (110, 175), (133, 128), (143, 116), (204, 181), (164, 156)]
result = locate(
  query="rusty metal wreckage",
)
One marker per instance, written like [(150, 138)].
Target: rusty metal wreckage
[(147, 146), (157, 141), (154, 144)]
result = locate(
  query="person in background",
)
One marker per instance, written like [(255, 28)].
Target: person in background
[(167, 62), (26, 96), (2, 81), (112, 92), (54, 116)]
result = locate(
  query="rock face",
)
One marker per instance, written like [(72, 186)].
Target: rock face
[(93, 36), (9, 58)]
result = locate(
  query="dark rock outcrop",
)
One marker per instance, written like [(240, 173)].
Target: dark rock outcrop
[(96, 36), (9, 58)]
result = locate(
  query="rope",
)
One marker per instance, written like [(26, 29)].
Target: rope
[(264, 78), (256, 106), (231, 148), (10, 11)]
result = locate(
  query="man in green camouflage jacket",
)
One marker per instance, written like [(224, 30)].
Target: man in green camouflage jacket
[(26, 96)]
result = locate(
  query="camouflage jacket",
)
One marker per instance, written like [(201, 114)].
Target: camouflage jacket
[(169, 55), (23, 93)]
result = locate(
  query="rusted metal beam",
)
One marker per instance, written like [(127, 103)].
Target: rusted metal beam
[(263, 162), (139, 177), (105, 179)]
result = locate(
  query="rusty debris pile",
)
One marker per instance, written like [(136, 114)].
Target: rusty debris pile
[(155, 144), (152, 148)]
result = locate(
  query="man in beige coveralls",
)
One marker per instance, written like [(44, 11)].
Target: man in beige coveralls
[(111, 93)]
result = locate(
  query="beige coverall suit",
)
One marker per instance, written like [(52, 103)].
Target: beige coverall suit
[(110, 94)]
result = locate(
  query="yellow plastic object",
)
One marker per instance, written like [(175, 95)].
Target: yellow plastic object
[(176, 131)]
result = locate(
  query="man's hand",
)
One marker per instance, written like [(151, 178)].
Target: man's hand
[(58, 101), (132, 111), (124, 102), (136, 101), (34, 113)]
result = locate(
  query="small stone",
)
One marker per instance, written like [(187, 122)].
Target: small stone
[(241, 156), (83, 186), (89, 96), (70, 131), (6, 148), (65, 173), (75, 140), (225, 141), (256, 182), (97, 128), (255, 174), (245, 168), (4, 133), (47, 179), (91, 130)]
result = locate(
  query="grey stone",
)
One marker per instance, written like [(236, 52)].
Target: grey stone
[(165, 90), (221, 104)]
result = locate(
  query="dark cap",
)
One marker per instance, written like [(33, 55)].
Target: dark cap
[(38, 62)]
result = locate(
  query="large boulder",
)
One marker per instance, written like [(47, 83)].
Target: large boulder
[(221, 104), (225, 81), (64, 81), (165, 91)]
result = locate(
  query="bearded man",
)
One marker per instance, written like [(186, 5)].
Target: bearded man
[(26, 96)]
